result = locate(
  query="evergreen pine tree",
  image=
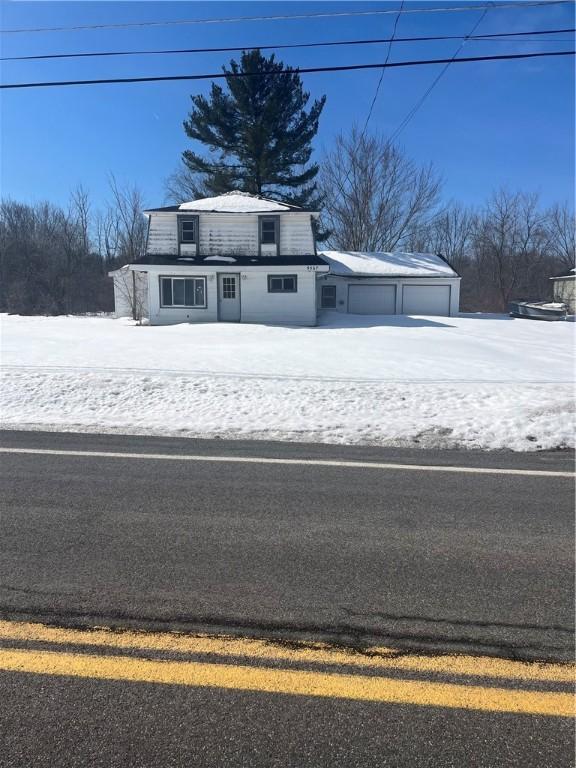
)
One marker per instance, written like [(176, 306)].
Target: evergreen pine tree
[(258, 133)]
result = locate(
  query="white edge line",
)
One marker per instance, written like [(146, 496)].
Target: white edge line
[(299, 462)]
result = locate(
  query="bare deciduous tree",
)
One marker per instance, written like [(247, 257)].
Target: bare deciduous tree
[(183, 185), (129, 225), (451, 233), (561, 224), (512, 249), (108, 236), (47, 265), (374, 195), (55, 261)]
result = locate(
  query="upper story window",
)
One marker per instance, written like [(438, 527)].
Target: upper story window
[(188, 230), (269, 230)]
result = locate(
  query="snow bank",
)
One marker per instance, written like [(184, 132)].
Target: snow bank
[(476, 381)]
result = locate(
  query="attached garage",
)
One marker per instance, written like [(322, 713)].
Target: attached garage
[(372, 299), (426, 300), (364, 283)]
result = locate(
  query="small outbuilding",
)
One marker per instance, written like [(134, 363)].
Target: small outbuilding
[(565, 289), (384, 283)]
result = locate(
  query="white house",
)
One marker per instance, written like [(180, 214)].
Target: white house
[(234, 258), (243, 258)]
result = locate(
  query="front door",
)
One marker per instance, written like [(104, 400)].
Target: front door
[(229, 297)]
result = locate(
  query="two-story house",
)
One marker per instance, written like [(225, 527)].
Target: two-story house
[(243, 258), (235, 258)]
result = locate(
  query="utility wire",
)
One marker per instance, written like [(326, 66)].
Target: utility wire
[(383, 70), (321, 15), (435, 82), (496, 37), (302, 70)]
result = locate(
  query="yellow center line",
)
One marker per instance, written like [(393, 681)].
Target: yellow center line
[(318, 653), (293, 682)]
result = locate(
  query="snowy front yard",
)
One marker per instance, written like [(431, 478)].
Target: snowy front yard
[(479, 381)]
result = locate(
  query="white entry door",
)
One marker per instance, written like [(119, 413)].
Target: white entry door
[(229, 297)]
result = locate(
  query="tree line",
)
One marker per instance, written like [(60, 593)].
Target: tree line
[(55, 260), (377, 199), (256, 136)]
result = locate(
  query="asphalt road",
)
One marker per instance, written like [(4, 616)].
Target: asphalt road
[(420, 560), (441, 559), (71, 723)]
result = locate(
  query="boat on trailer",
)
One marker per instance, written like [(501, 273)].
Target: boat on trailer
[(538, 310)]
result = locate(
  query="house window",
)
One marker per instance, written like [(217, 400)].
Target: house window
[(268, 229), (328, 297), (282, 284), (228, 287), (183, 291), (188, 231)]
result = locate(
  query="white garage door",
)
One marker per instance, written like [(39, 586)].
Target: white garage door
[(372, 299), (426, 300)]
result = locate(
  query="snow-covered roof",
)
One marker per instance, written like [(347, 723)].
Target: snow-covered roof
[(236, 202), (382, 264), (570, 275)]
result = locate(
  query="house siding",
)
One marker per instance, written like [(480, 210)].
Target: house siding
[(257, 305), (224, 234), (260, 306), (565, 292), (124, 283), (163, 235)]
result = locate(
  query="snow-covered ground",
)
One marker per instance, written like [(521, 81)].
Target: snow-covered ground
[(479, 381)]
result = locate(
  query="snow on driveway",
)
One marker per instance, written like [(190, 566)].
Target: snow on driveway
[(479, 381)]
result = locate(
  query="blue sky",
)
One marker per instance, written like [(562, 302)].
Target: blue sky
[(485, 124)]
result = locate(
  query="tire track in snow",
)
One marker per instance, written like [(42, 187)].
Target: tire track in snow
[(266, 376)]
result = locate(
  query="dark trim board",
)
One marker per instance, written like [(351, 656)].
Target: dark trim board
[(243, 261)]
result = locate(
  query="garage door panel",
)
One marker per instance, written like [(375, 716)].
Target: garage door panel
[(372, 299), (426, 300)]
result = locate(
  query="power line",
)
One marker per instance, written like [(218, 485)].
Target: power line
[(435, 82), (497, 37), (303, 70), (331, 14), (383, 70)]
